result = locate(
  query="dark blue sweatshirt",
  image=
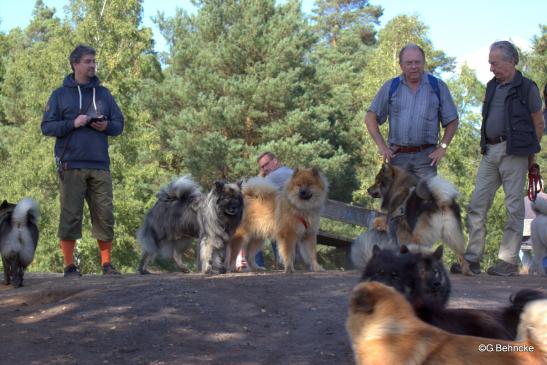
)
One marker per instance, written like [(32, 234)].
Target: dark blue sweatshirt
[(85, 146)]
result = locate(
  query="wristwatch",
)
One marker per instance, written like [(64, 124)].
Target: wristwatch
[(443, 145)]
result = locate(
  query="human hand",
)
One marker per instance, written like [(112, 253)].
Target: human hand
[(99, 124), (437, 155), (386, 153), (531, 160), (80, 121)]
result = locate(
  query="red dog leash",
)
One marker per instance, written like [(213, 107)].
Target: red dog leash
[(534, 182)]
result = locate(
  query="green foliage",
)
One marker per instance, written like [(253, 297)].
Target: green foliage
[(243, 86), (240, 77), (534, 62), (36, 56), (124, 52)]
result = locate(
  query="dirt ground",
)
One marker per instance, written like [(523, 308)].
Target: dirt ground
[(247, 319)]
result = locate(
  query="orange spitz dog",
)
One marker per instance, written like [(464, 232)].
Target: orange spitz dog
[(290, 216)]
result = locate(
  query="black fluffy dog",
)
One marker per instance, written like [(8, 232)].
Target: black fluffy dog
[(182, 213), (423, 280), (18, 238)]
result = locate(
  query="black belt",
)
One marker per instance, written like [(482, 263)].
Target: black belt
[(495, 140), (410, 149)]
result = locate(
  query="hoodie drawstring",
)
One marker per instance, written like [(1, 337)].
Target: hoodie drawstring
[(80, 92), (94, 103)]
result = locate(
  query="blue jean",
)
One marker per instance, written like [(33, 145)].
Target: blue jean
[(417, 163), (259, 258)]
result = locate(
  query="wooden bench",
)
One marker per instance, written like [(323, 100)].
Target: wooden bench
[(345, 213)]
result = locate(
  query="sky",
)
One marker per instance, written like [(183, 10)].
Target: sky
[(462, 28)]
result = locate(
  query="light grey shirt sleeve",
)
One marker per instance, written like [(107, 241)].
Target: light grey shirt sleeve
[(380, 104), (280, 176), (448, 108), (534, 99)]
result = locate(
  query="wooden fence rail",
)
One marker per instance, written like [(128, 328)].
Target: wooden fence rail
[(345, 213)]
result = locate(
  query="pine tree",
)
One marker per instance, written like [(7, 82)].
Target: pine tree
[(347, 35), (245, 85)]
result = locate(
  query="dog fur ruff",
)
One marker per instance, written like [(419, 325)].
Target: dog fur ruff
[(290, 216), (384, 329), (423, 211)]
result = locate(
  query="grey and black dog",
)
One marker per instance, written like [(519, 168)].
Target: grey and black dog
[(18, 238), (181, 213)]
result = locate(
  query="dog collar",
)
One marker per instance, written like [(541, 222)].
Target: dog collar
[(302, 220)]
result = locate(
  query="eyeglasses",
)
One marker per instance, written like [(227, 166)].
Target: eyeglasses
[(412, 63), (263, 166)]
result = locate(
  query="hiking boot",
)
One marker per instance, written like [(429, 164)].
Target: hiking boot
[(108, 269), (72, 271), (502, 268), (474, 267)]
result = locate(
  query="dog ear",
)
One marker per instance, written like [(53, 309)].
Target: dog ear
[(4, 204), (438, 254), (315, 170), (239, 183), (219, 186), (363, 301), (375, 250), (386, 167)]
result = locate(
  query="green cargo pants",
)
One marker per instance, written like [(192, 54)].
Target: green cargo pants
[(95, 187)]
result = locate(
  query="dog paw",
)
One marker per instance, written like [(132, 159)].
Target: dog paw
[(468, 272), (380, 223), (17, 283), (318, 268)]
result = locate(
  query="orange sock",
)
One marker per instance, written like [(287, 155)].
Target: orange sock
[(67, 246), (106, 249)]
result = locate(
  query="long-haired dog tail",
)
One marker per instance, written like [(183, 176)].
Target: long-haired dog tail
[(182, 188), (510, 315), (533, 326), (23, 237), (259, 187), (443, 191), (27, 210)]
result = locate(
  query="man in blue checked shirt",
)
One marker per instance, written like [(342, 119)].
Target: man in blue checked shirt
[(416, 103)]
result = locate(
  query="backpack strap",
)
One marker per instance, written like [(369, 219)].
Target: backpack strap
[(434, 82), (393, 87)]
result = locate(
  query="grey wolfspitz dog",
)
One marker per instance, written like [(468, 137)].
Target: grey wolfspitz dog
[(181, 213), (18, 238), (377, 234)]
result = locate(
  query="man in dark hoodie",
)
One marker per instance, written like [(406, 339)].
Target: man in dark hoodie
[(81, 114)]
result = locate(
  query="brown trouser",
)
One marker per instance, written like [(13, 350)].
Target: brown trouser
[(95, 187)]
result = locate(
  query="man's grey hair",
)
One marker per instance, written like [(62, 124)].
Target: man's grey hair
[(410, 46), (508, 51), (78, 52)]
